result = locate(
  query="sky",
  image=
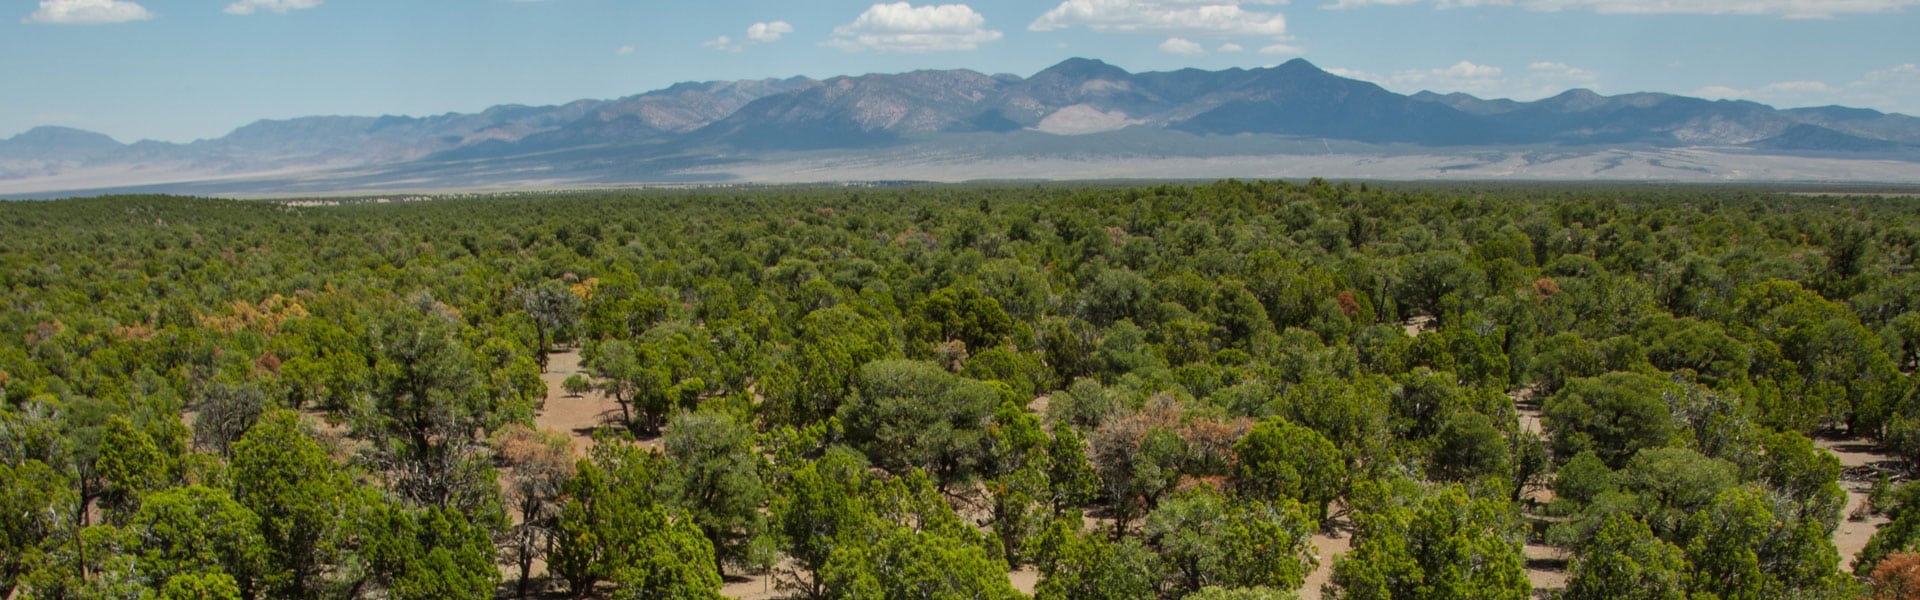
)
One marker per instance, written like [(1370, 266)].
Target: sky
[(179, 70)]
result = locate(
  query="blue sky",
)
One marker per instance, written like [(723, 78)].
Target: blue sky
[(178, 70)]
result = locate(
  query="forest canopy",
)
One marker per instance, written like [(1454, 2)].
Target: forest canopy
[(1170, 391)]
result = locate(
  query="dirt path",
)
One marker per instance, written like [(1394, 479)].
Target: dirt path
[(1326, 548), (1025, 579), (1546, 569), (1546, 565), (1851, 536), (751, 587), (575, 416)]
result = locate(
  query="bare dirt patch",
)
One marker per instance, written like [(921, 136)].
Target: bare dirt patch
[(1546, 568), (1025, 579), (1326, 548), (1418, 324), (751, 587), (576, 416), (1855, 454)]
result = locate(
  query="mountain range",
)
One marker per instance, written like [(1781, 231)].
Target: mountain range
[(1077, 119)]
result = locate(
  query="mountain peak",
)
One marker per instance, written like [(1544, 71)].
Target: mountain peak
[(1084, 68), (58, 143), (1582, 94), (1299, 70), (64, 136), (1577, 99), (1301, 64)]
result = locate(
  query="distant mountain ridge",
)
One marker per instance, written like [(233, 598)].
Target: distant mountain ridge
[(691, 123)]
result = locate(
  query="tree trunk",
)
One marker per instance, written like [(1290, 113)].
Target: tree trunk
[(526, 564), (79, 542), (540, 354)]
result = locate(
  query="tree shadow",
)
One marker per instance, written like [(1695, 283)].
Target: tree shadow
[(1549, 564)]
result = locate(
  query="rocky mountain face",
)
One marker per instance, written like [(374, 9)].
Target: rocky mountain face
[(1073, 100)]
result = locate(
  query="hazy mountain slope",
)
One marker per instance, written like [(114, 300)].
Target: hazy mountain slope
[(1298, 98), (1079, 108), (858, 111), (59, 143)]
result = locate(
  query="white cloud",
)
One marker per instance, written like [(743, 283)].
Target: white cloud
[(1346, 4), (1182, 46), (1229, 48), (766, 33), (624, 50), (1188, 17), (1782, 93), (903, 27), (1550, 78), (1355, 74), (1895, 88), (87, 12), (1468, 70), (1558, 69), (1719, 92), (1463, 76), (1282, 50), (247, 7), (1791, 9), (757, 33)]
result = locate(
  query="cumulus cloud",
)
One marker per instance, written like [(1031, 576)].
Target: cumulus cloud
[(1550, 78), (88, 12), (1188, 17), (903, 27), (764, 33), (624, 50), (1539, 79), (1781, 93), (1182, 46), (1282, 50), (247, 7), (757, 33), (1229, 48), (1468, 70), (1895, 88), (1355, 74), (1791, 9), (1463, 76)]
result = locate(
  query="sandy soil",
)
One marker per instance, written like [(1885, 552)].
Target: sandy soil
[(1851, 536), (1040, 404), (1546, 566), (1025, 579), (1326, 548), (1546, 569), (754, 587), (1527, 409), (577, 416), (1418, 324)]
